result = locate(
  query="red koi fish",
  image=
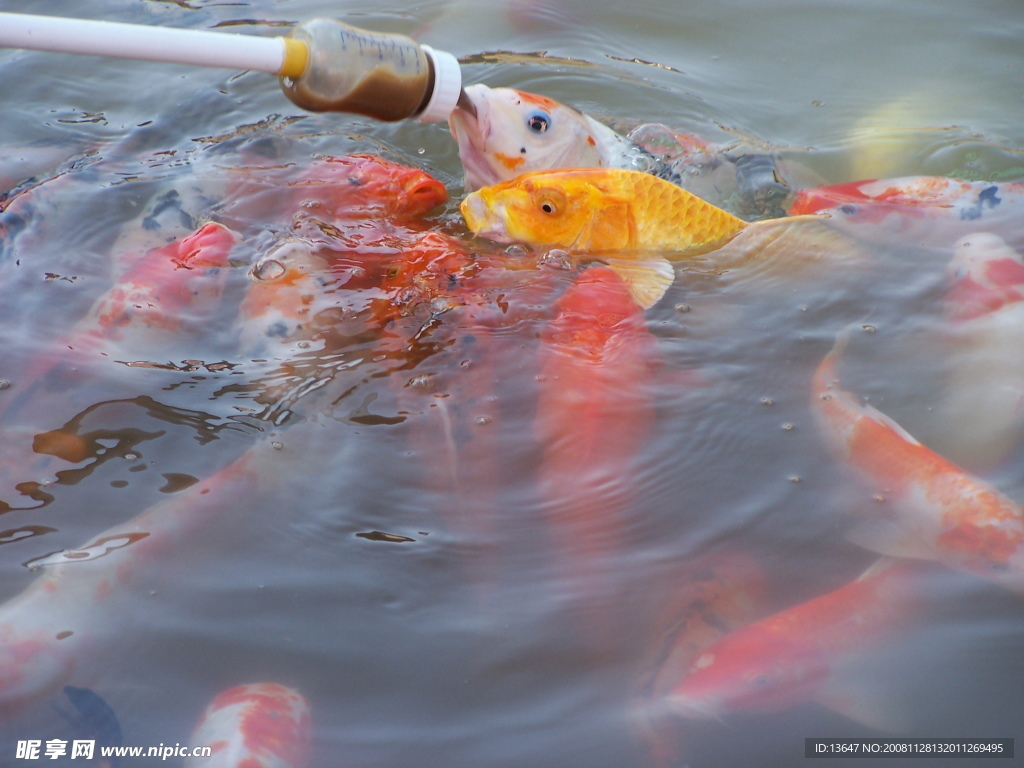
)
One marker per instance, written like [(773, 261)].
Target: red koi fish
[(710, 597), (152, 302), (924, 505), (260, 725), (452, 326), (67, 612), (595, 410), (330, 189), (982, 409), (805, 653), (150, 309)]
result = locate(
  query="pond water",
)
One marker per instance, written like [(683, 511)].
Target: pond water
[(391, 551)]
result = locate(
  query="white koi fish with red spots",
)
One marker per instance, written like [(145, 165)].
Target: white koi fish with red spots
[(510, 132), (919, 209), (49, 631), (259, 725), (982, 410), (924, 505)]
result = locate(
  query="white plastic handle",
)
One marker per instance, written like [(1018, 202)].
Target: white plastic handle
[(136, 41)]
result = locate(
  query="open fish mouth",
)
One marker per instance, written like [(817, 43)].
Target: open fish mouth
[(483, 220), (471, 128)]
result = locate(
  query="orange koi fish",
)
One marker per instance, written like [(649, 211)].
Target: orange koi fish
[(66, 613), (804, 653), (638, 224), (260, 725), (982, 409), (595, 411), (924, 505)]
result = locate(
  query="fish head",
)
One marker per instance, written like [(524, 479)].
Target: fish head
[(355, 185), (509, 132), (749, 670), (332, 188), (578, 209)]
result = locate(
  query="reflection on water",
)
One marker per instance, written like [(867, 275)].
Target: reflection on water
[(356, 482)]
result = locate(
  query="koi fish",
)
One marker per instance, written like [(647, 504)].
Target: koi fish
[(982, 409), (349, 187), (259, 725), (626, 218), (66, 612), (926, 210), (510, 132), (503, 133), (808, 652), (152, 301), (595, 411), (711, 596), (934, 196), (924, 505), (152, 306), (636, 223)]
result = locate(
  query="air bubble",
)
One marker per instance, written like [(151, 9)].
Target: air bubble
[(556, 258), (267, 269)]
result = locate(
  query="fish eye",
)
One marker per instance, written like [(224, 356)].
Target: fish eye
[(848, 208), (548, 207), (538, 122)]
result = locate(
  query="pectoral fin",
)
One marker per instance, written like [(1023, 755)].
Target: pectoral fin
[(647, 279)]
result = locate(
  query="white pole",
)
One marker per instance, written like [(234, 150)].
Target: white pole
[(135, 41)]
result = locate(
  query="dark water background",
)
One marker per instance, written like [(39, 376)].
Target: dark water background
[(463, 645)]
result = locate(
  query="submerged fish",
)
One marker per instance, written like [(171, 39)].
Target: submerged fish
[(636, 224), (805, 653), (259, 725), (595, 411), (75, 605), (924, 505), (929, 195), (982, 408), (924, 210), (347, 187), (504, 132)]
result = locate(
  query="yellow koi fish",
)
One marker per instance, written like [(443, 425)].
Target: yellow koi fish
[(637, 224), (629, 220)]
